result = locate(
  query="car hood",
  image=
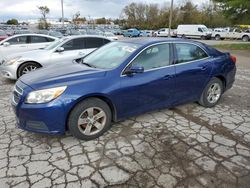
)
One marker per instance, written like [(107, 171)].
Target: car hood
[(29, 54), (61, 74)]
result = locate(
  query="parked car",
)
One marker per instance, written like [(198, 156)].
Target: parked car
[(146, 33), (131, 33), (193, 31), (163, 32), (64, 50), (19, 32), (119, 80), (23, 43), (3, 35), (110, 35), (232, 33)]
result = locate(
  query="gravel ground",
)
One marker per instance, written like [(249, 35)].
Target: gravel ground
[(186, 146)]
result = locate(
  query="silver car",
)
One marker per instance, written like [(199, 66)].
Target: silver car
[(63, 50), (23, 43)]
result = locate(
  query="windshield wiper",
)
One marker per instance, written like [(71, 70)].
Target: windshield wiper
[(87, 64)]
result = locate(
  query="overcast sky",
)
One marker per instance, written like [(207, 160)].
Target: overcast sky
[(27, 9)]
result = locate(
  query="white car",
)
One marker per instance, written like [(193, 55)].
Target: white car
[(63, 50), (23, 43), (163, 32), (193, 31), (233, 33)]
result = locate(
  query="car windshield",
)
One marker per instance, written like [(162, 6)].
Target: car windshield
[(56, 34), (110, 55), (55, 44), (204, 29)]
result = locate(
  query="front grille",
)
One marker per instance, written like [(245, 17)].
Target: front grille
[(17, 93)]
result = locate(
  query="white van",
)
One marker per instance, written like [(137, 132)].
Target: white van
[(193, 31)]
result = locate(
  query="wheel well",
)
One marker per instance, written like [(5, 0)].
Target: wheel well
[(217, 35), (245, 36), (105, 99), (25, 63), (221, 78)]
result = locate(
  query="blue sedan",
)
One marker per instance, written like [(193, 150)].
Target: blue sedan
[(119, 80)]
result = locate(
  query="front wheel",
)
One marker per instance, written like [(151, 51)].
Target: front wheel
[(89, 119), (245, 38), (211, 93), (26, 68)]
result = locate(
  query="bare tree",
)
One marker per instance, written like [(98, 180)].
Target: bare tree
[(44, 10)]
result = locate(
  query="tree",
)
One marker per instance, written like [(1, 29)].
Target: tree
[(12, 22), (43, 24), (238, 11), (77, 19), (101, 21)]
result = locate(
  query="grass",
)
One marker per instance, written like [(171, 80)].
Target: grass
[(233, 46)]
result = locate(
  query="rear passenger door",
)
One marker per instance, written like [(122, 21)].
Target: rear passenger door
[(193, 67), (36, 42)]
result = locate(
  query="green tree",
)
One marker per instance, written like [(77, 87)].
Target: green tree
[(43, 24), (238, 11), (101, 21), (12, 22)]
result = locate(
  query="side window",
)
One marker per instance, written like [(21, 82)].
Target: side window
[(50, 39), (189, 52), (37, 39), (200, 30), (18, 40), (153, 57), (75, 44), (105, 41), (93, 42)]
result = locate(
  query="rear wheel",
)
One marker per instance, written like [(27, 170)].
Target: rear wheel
[(211, 93), (245, 38), (89, 119), (26, 68), (203, 38), (183, 36), (217, 37)]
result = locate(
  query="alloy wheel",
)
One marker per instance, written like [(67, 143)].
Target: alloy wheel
[(214, 93), (92, 121)]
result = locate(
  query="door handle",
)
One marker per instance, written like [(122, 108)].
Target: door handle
[(167, 77), (204, 68)]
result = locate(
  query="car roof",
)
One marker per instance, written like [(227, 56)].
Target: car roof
[(153, 40), (86, 36), (33, 34)]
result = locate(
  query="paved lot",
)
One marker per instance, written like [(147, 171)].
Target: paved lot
[(187, 146)]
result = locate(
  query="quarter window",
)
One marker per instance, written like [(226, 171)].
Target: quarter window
[(189, 52), (18, 40), (153, 57), (37, 39)]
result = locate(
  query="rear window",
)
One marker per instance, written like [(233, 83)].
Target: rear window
[(94, 42)]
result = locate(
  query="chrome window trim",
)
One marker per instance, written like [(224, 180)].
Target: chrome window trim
[(122, 75)]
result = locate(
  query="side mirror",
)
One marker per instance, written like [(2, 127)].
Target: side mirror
[(5, 44), (134, 70), (60, 49)]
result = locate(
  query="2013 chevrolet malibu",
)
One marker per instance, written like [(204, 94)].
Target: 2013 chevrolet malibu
[(119, 80)]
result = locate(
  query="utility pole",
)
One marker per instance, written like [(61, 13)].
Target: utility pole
[(62, 14), (170, 18)]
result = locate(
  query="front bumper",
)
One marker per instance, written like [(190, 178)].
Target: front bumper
[(9, 71), (46, 118)]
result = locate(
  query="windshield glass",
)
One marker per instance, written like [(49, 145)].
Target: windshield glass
[(110, 55), (204, 29), (55, 44)]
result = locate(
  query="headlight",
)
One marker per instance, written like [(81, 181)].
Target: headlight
[(44, 95), (13, 60)]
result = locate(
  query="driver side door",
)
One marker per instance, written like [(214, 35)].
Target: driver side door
[(152, 89)]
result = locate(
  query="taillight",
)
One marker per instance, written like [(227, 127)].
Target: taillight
[(233, 58)]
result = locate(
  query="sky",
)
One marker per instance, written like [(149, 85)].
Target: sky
[(27, 9)]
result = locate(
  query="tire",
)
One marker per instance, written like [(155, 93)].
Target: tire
[(27, 67), (82, 122), (245, 38), (215, 94), (203, 38), (183, 36), (217, 37)]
